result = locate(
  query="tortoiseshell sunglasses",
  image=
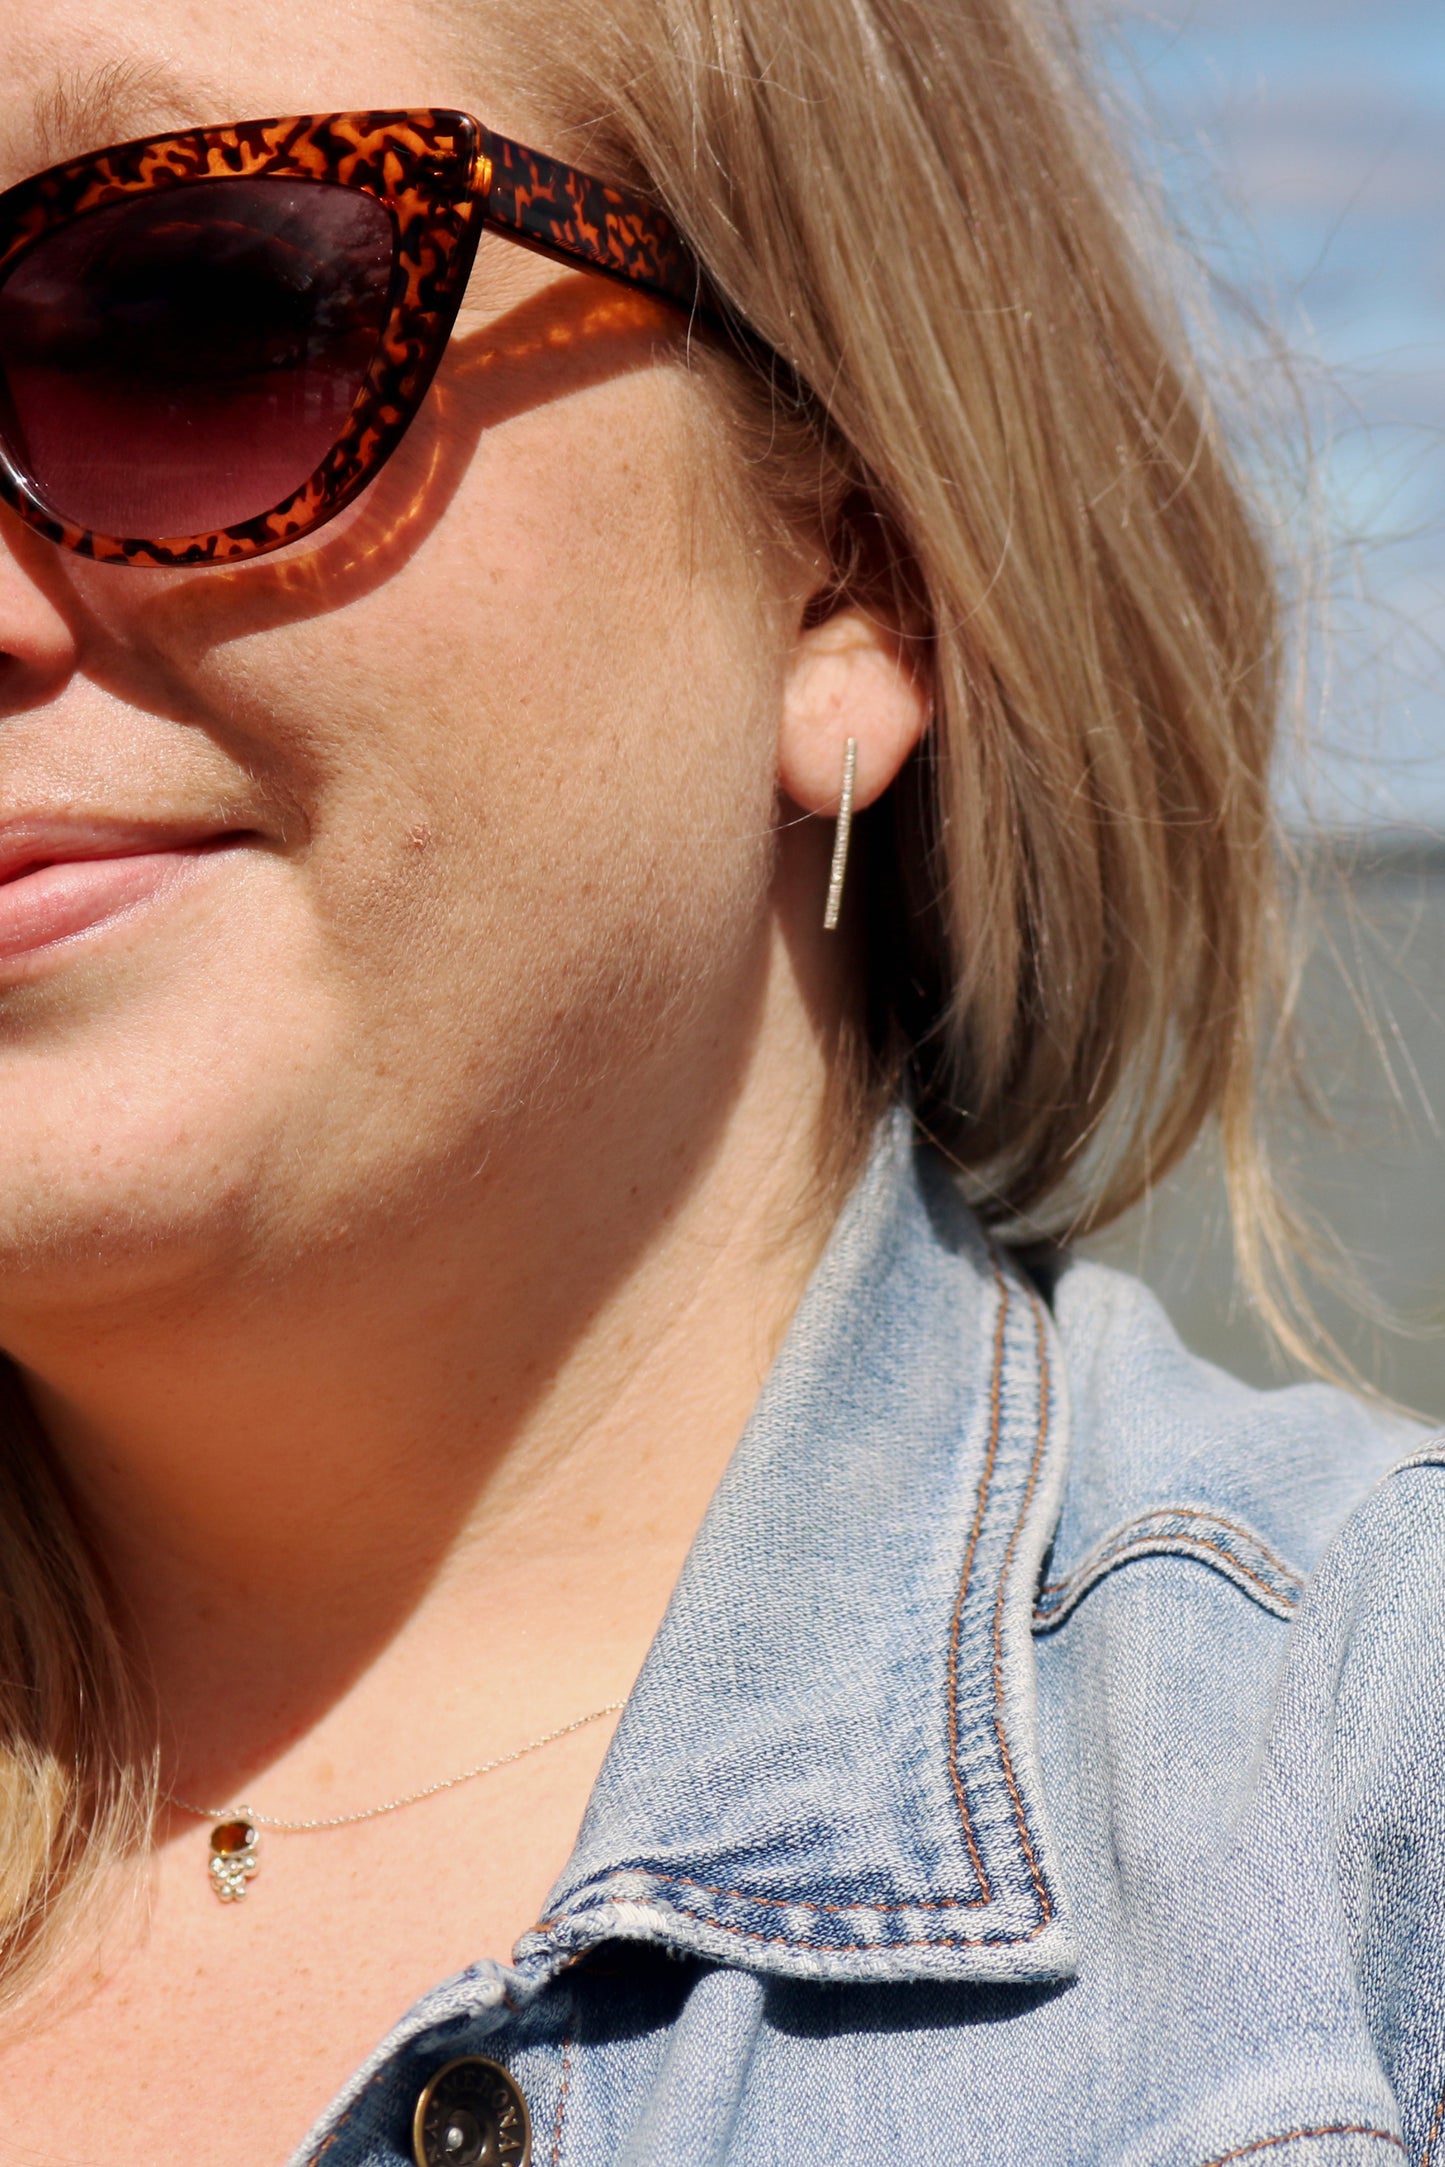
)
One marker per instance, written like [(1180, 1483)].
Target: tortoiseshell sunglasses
[(210, 342)]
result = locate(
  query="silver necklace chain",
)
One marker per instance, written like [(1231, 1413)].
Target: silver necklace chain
[(391, 1805)]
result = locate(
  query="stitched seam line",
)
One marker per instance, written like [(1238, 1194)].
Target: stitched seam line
[(1071, 1592), (1144, 1546), (955, 1632), (937, 1941), (1429, 2152), (781, 1903), (832, 1948), (1041, 1437), (562, 2100), (1116, 1538), (379, 2077), (1429, 1455), (1292, 2136)]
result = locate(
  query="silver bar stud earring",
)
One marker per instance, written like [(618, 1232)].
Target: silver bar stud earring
[(841, 836)]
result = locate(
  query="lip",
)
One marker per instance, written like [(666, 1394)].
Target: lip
[(60, 881)]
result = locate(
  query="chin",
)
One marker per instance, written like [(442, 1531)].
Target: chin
[(126, 1170), (86, 1236)]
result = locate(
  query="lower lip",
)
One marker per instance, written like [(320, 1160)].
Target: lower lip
[(56, 902)]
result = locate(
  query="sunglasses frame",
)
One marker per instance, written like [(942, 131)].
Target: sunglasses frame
[(445, 179)]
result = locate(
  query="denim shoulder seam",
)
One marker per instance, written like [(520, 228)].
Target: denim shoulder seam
[(1429, 2152), (1305, 2136), (1430, 1454), (1228, 1547)]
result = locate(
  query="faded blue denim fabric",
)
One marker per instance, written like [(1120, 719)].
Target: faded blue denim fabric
[(1042, 1761)]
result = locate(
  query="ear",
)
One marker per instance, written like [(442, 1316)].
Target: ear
[(848, 677)]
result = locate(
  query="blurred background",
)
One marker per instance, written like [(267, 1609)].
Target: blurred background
[(1301, 144)]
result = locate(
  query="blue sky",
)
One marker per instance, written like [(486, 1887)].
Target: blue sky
[(1303, 142)]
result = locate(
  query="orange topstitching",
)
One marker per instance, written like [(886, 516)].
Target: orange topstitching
[(938, 1941)]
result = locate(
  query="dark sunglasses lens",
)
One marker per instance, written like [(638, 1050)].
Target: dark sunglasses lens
[(184, 361)]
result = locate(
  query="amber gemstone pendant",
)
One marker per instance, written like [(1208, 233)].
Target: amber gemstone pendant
[(235, 1833), (233, 1861)]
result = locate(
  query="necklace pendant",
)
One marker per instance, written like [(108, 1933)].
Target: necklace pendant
[(233, 1860)]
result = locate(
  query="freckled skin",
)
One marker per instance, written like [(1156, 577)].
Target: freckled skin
[(396, 1227)]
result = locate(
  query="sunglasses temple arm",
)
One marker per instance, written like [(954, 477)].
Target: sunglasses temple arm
[(567, 215)]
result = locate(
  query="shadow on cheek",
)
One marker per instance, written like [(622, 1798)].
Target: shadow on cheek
[(580, 331)]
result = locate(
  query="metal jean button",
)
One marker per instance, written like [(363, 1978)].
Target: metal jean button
[(471, 2114)]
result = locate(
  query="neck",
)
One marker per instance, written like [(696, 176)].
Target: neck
[(455, 1461)]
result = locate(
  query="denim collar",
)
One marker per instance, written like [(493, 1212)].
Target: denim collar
[(828, 1766)]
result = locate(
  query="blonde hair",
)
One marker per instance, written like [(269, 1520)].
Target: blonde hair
[(988, 401), (983, 399), (77, 1767)]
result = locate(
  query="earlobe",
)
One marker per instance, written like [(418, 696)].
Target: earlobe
[(849, 677)]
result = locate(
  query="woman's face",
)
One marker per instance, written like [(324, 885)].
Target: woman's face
[(485, 771)]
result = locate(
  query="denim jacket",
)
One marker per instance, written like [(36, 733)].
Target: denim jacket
[(1042, 1761)]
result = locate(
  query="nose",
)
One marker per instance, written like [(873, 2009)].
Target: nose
[(37, 643)]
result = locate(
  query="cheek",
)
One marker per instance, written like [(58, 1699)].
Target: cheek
[(537, 770), (527, 786)]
